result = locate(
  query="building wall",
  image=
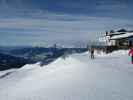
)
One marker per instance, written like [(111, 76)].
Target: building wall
[(124, 43), (130, 41)]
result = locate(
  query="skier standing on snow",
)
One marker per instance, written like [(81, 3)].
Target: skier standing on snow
[(131, 54), (92, 52)]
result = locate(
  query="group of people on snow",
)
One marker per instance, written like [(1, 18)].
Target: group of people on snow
[(92, 51)]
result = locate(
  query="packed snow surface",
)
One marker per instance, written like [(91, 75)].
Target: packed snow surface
[(122, 36), (77, 77)]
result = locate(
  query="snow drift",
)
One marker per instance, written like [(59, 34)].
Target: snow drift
[(108, 77)]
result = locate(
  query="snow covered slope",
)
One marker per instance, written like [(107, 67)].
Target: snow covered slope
[(108, 77)]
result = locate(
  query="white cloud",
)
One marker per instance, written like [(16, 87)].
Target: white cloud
[(53, 28)]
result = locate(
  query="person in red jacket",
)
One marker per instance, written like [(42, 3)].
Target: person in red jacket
[(131, 54)]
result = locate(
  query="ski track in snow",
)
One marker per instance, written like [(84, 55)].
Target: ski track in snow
[(108, 77)]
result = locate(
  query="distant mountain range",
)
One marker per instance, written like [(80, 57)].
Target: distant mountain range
[(17, 57), (8, 62)]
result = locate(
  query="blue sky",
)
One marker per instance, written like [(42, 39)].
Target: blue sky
[(65, 22)]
